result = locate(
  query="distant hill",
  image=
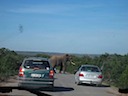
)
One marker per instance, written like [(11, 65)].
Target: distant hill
[(33, 53)]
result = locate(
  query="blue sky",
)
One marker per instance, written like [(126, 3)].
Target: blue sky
[(67, 26)]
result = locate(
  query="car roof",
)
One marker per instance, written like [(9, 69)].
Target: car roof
[(36, 58), (89, 65)]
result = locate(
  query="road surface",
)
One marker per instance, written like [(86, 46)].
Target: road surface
[(64, 86)]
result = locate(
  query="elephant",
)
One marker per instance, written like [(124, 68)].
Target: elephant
[(61, 60)]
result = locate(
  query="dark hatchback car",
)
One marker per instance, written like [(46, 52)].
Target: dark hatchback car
[(35, 73)]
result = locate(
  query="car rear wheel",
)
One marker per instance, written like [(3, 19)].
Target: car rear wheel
[(52, 89), (77, 82), (98, 85)]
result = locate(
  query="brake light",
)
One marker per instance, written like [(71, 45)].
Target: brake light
[(81, 75), (21, 72), (100, 76), (51, 74)]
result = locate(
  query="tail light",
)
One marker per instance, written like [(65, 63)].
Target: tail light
[(51, 74), (100, 76), (81, 75), (21, 72)]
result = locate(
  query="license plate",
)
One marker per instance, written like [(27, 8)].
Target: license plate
[(89, 75), (36, 75)]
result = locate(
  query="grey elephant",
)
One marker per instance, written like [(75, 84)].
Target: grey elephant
[(61, 60)]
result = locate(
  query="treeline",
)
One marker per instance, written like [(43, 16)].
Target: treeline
[(114, 66), (9, 63)]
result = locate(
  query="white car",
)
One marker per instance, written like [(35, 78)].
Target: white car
[(88, 74)]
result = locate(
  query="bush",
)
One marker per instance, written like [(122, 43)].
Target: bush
[(9, 63), (123, 80), (113, 67)]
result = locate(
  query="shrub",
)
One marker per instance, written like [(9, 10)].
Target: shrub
[(9, 63), (123, 80)]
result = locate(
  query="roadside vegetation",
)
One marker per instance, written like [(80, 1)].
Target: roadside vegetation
[(9, 63), (114, 66)]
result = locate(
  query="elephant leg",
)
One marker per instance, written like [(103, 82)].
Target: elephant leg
[(64, 68), (61, 67), (54, 69)]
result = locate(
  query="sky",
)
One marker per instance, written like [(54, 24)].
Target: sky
[(65, 26)]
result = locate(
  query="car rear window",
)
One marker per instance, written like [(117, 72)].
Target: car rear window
[(30, 64), (90, 69)]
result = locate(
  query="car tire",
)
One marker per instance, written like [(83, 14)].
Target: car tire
[(77, 82), (51, 89), (19, 85), (98, 85)]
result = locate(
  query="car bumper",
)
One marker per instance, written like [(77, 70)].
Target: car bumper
[(91, 81), (33, 84)]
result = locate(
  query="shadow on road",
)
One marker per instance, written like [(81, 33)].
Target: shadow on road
[(9, 89), (60, 89), (38, 92), (93, 85)]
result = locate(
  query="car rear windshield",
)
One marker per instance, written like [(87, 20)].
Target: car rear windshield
[(30, 64), (90, 69)]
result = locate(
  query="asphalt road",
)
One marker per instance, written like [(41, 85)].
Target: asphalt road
[(64, 86)]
